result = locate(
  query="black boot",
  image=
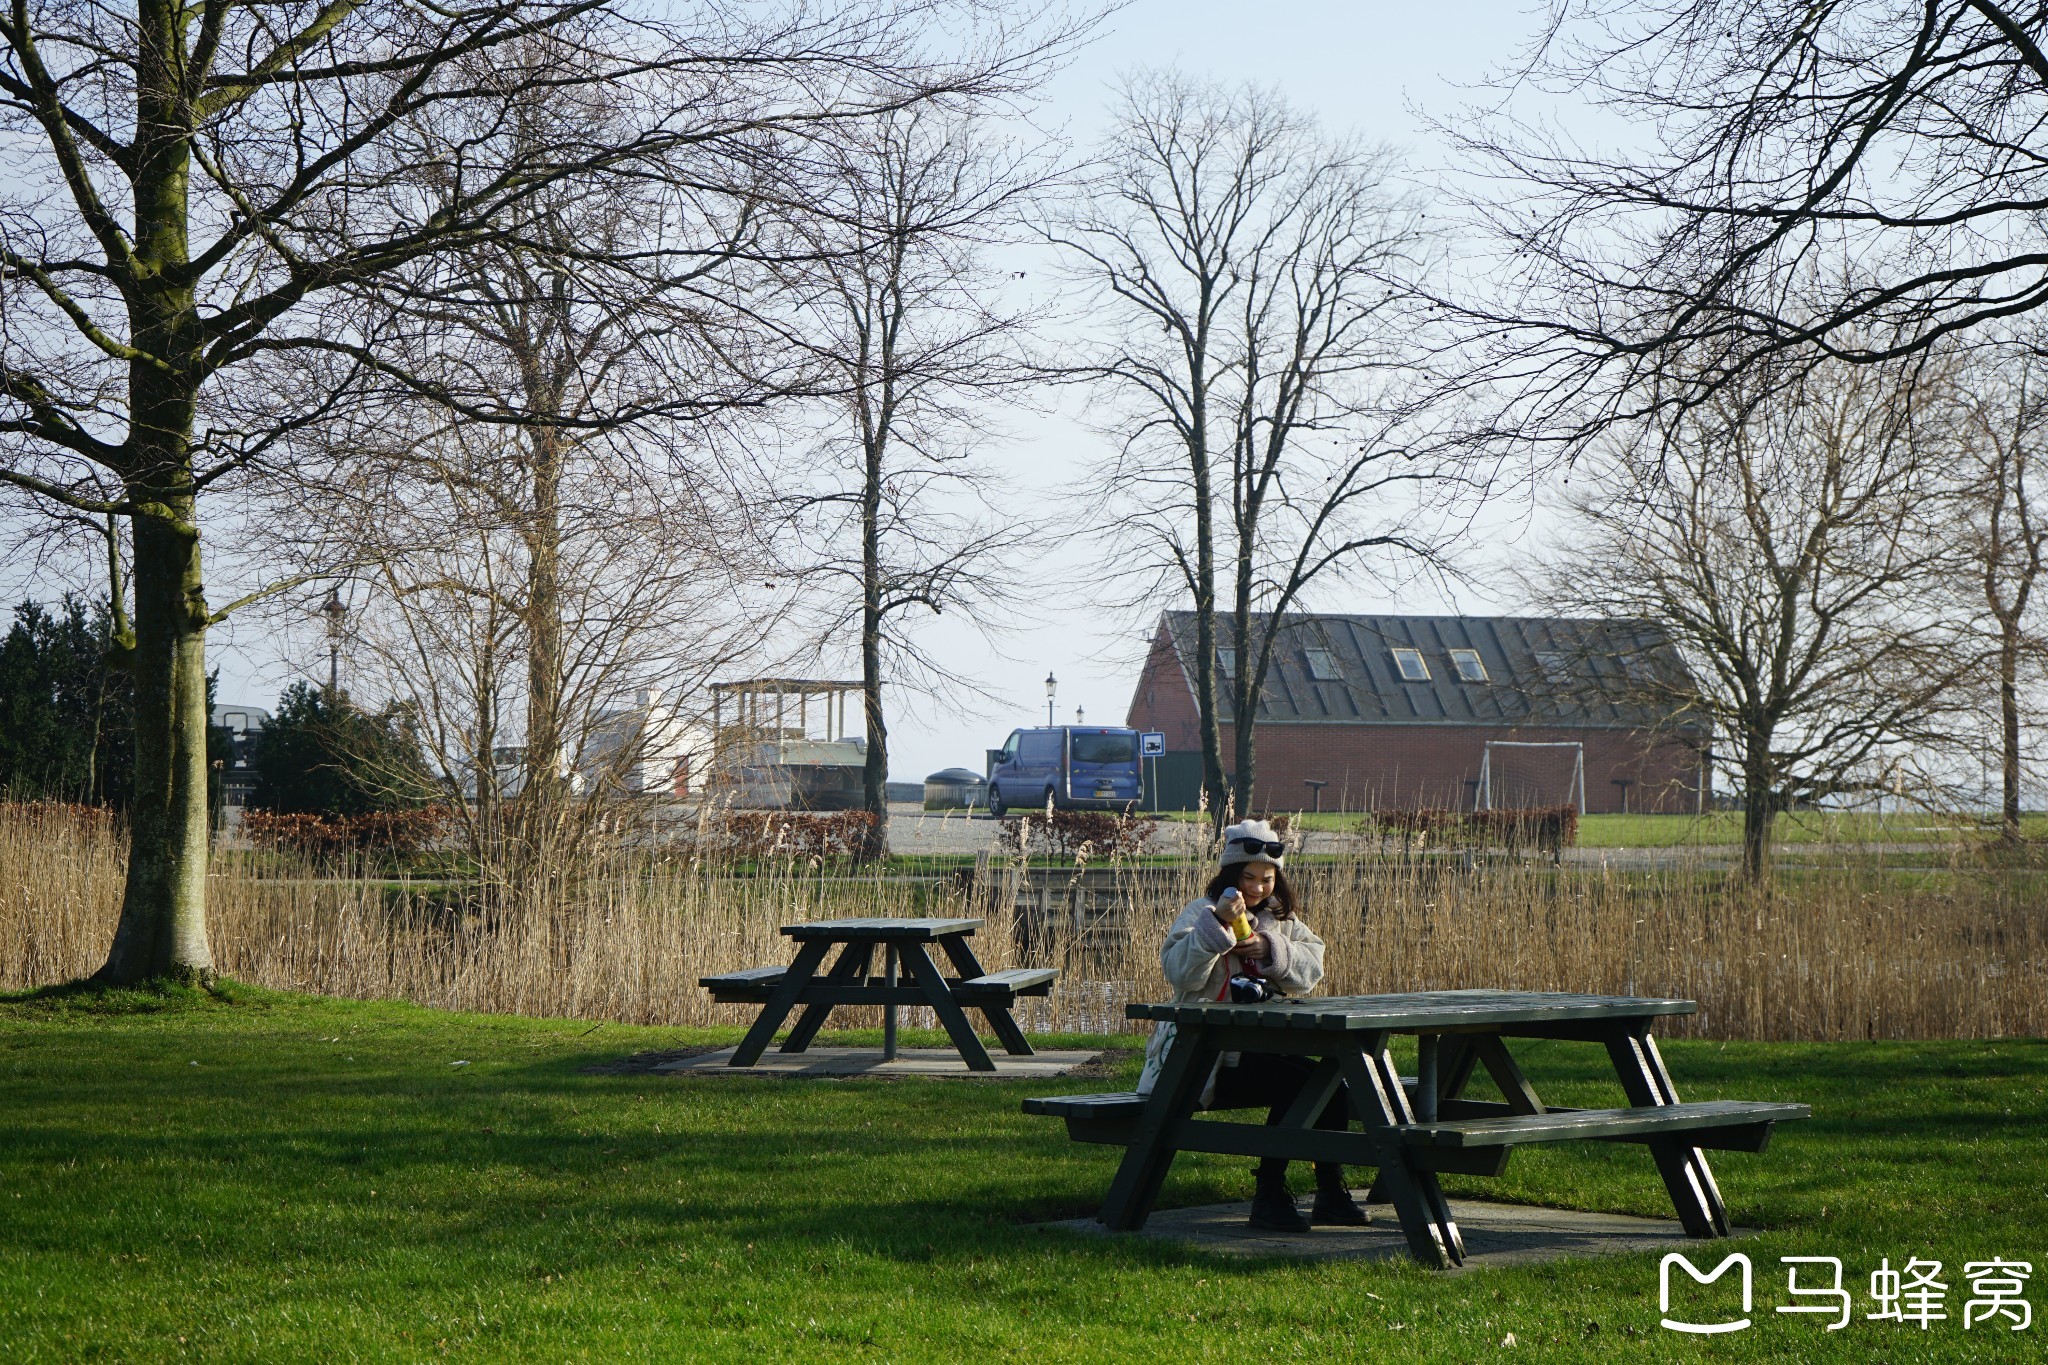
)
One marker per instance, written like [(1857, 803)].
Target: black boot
[(1273, 1207), (1334, 1206)]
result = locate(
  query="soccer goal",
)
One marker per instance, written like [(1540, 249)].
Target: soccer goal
[(1519, 774)]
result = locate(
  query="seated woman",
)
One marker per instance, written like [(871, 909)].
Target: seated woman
[(1200, 955)]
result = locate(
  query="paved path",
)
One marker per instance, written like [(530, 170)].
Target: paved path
[(1495, 1234), (913, 829)]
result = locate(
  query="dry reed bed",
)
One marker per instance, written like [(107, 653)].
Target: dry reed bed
[(1843, 952)]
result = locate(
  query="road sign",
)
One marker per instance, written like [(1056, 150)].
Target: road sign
[(1151, 743)]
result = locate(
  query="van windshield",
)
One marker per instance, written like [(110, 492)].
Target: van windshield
[(1105, 748)]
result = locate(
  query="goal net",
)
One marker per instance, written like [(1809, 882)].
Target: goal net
[(1518, 775)]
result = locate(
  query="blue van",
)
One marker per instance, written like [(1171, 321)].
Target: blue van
[(1075, 767)]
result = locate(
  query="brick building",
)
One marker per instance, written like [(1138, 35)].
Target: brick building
[(1395, 711)]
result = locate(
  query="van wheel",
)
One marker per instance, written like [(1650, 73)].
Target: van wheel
[(996, 807)]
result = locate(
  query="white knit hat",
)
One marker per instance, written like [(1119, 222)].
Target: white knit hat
[(1251, 832)]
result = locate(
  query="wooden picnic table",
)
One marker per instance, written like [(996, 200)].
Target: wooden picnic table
[(903, 944), (1413, 1128)]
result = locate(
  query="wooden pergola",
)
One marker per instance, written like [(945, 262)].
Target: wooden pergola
[(762, 706)]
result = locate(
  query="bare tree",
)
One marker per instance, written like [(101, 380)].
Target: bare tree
[(1246, 262), (184, 183), (551, 508), (2000, 402), (1781, 536), (916, 340), (1779, 137), (649, 602)]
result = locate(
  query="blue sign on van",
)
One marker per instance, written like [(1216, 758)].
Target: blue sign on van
[(1071, 767)]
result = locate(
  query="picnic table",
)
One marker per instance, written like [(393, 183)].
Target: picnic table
[(903, 944), (1412, 1128)]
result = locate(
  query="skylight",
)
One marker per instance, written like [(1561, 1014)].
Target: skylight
[(1412, 666), (1468, 664), (1226, 660), (1322, 665), (1555, 666)]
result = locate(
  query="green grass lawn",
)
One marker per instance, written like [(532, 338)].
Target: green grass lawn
[(286, 1178)]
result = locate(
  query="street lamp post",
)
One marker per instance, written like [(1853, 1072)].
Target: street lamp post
[(336, 615), (1052, 687)]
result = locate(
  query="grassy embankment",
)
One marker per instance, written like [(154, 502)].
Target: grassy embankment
[(292, 1178)]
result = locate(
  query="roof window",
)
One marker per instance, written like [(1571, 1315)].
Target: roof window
[(1469, 665), (1322, 665), (1556, 667), (1226, 660), (1412, 665)]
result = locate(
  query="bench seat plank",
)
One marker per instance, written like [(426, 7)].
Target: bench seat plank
[(998, 988), (769, 977), (1125, 1104), (1004, 986), (1638, 1124)]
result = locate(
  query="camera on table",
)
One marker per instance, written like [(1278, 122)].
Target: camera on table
[(1249, 990)]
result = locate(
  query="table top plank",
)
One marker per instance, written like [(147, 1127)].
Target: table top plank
[(1423, 1011), (880, 930)]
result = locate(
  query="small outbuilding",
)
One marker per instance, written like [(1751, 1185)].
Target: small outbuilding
[(955, 789)]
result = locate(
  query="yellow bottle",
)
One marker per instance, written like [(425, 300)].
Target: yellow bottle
[(1241, 927)]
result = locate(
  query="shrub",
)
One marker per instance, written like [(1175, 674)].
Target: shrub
[(759, 834), (1069, 833), (1550, 828), (392, 831)]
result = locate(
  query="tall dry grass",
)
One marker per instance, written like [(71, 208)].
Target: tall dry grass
[(1841, 950)]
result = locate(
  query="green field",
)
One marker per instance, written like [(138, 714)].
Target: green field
[(290, 1178)]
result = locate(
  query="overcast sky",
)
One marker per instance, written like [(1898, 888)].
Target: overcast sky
[(1363, 66)]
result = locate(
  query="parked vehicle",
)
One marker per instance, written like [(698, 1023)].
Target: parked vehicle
[(1074, 767)]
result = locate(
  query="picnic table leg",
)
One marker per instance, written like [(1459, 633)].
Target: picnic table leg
[(1508, 1075), (1456, 1058), (1684, 1168), (779, 1004), (999, 1020), (947, 1008), (1147, 1155), (1418, 1200), (1425, 1077), (890, 958), (853, 962)]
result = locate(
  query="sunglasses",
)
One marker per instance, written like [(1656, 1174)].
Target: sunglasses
[(1259, 846)]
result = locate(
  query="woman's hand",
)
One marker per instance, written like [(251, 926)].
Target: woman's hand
[(1254, 948)]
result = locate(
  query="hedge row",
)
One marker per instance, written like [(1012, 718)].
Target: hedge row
[(1546, 827)]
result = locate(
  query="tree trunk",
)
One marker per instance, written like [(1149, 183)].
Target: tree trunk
[(1759, 806), (162, 929), (2009, 730), (539, 809), (874, 776)]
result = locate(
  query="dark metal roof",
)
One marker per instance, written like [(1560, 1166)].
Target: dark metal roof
[(1540, 670)]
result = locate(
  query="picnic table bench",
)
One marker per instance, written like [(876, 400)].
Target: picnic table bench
[(908, 977), (1413, 1128)]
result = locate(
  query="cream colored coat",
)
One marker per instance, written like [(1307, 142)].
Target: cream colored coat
[(1194, 960)]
